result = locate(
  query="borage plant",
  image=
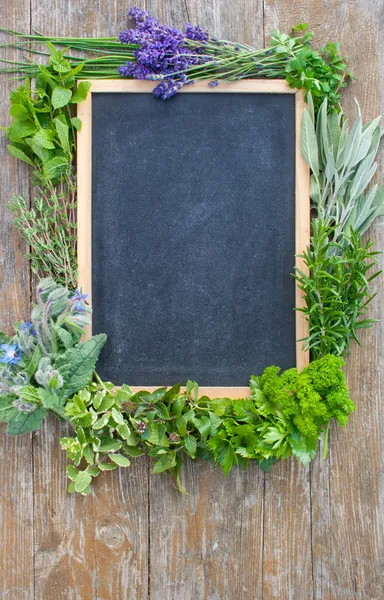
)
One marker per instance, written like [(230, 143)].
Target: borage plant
[(44, 363)]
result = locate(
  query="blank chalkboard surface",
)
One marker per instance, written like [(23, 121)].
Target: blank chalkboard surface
[(193, 236)]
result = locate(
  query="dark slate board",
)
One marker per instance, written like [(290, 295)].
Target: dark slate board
[(193, 229)]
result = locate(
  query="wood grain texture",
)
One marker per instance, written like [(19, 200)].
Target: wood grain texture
[(16, 490), (297, 534)]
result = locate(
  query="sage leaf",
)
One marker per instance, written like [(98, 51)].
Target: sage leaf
[(363, 176), (309, 146)]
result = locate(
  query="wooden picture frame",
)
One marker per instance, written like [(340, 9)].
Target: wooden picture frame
[(84, 185)]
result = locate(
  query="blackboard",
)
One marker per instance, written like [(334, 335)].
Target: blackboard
[(193, 236)]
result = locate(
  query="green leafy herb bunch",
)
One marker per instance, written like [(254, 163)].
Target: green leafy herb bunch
[(336, 288), (285, 415), (44, 362), (42, 134)]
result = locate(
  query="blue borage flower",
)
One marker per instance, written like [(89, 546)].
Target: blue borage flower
[(163, 53), (78, 300), (213, 83), (28, 326), (11, 354), (23, 406)]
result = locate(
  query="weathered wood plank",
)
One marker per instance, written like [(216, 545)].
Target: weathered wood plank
[(94, 547), (346, 489), (207, 545), (287, 560), (16, 492)]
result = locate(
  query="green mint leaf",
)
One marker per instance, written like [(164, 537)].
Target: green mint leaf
[(19, 111), (55, 167), (266, 464), (44, 138), (17, 153), (172, 393), (62, 132), (167, 461), (76, 123), (81, 92), (60, 97), (190, 444), (20, 129), (204, 426)]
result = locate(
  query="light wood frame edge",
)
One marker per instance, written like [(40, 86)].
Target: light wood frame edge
[(84, 187)]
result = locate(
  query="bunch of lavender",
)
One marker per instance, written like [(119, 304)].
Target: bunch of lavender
[(176, 58), (44, 363), (163, 52)]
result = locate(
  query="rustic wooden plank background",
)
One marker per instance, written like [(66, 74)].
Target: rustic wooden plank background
[(296, 534)]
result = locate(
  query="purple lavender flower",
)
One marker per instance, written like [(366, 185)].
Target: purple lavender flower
[(12, 354), (268, 52), (163, 52), (194, 32), (167, 88), (213, 83)]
